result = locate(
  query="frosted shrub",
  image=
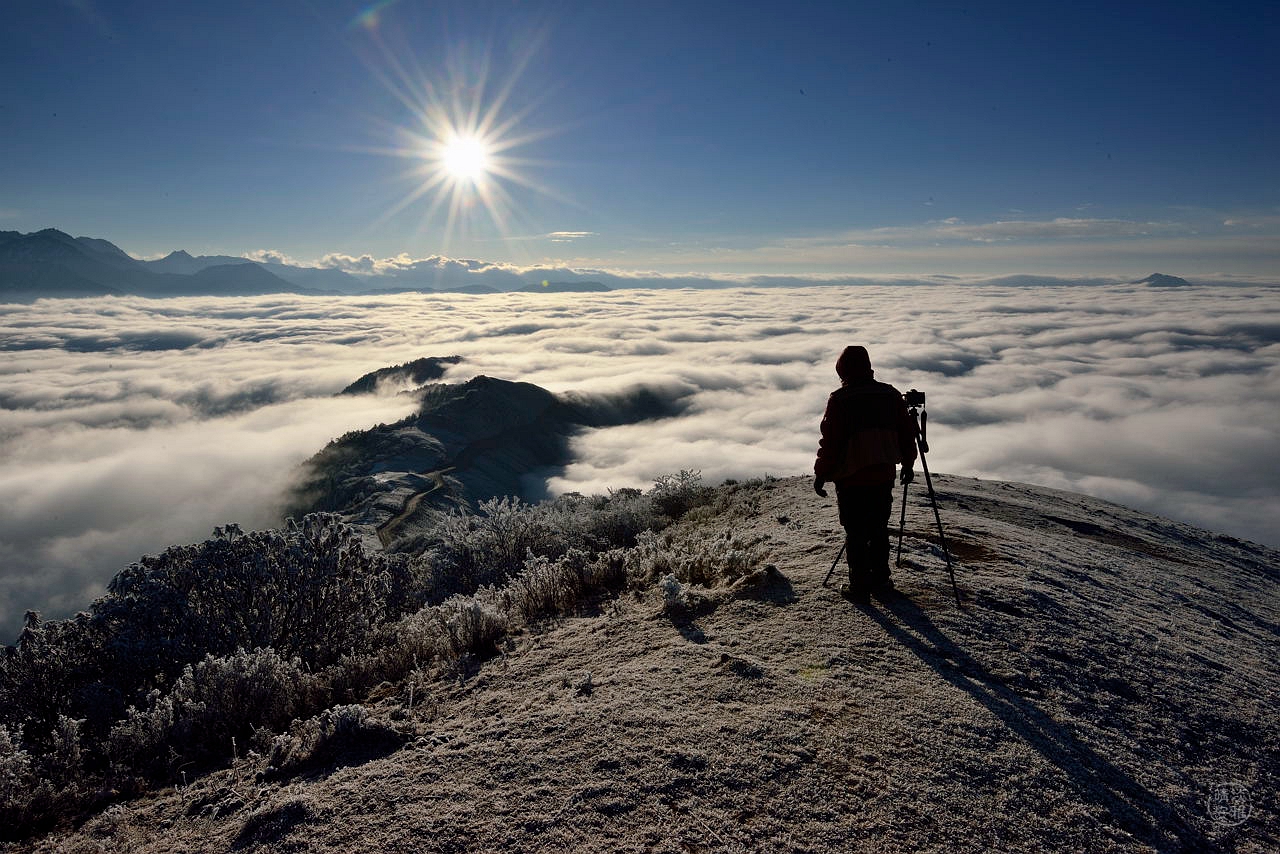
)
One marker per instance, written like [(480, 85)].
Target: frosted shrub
[(548, 586), (692, 559), (16, 780), (213, 702), (488, 547), (311, 591), (545, 586), (326, 736), (52, 672), (602, 522), (472, 624), (673, 495), (675, 596), (466, 551)]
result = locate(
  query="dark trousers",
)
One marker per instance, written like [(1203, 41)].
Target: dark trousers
[(864, 513)]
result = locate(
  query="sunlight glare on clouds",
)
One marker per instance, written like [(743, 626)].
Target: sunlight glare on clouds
[(127, 425)]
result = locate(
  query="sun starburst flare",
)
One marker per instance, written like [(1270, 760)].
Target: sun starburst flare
[(460, 147)]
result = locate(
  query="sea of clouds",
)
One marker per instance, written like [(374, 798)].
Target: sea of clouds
[(127, 424)]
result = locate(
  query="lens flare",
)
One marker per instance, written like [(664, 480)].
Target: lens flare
[(459, 145)]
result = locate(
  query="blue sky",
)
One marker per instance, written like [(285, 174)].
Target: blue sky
[(819, 138)]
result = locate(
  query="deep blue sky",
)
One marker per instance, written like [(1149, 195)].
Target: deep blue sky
[(871, 137)]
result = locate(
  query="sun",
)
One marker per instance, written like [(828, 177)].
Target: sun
[(460, 146), (466, 158)]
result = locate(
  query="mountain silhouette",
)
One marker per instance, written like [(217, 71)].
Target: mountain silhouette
[(245, 279), (1161, 280), (468, 442), (52, 263), (183, 263), (415, 373)]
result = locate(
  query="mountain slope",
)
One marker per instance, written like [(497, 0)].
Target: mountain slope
[(468, 442), (53, 263), (1108, 675)]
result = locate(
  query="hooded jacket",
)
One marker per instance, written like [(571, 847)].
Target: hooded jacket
[(866, 429)]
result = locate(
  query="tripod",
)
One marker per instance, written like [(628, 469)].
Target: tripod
[(921, 419)]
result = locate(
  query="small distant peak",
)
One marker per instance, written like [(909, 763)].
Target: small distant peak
[(53, 232), (179, 255), (1161, 280)]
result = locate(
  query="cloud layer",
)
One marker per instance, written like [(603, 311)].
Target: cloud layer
[(129, 424)]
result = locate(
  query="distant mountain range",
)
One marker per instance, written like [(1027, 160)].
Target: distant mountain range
[(51, 263)]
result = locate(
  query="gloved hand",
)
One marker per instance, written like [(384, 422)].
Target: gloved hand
[(907, 476), (818, 483)]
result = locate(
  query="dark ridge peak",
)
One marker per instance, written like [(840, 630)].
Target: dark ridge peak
[(1163, 280), (415, 373), (53, 232), (178, 254), (491, 437)]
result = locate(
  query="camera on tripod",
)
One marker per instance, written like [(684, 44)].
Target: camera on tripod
[(913, 398)]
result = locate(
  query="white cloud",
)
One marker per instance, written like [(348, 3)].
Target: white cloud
[(1268, 221), (1056, 229), (272, 256), (128, 424), (568, 236)]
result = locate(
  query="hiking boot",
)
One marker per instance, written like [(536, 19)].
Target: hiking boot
[(855, 594), (881, 578)]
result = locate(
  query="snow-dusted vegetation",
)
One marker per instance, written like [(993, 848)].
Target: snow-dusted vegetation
[(1107, 684), (206, 651)]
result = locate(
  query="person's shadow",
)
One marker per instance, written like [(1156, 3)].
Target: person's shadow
[(1128, 803)]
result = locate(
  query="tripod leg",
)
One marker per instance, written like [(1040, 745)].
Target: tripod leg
[(902, 523), (839, 554), (942, 538)]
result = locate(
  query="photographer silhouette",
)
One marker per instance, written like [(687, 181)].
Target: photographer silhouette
[(866, 431)]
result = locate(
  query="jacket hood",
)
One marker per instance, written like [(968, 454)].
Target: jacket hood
[(854, 364)]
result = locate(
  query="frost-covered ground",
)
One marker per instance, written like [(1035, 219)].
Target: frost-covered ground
[(1109, 684)]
